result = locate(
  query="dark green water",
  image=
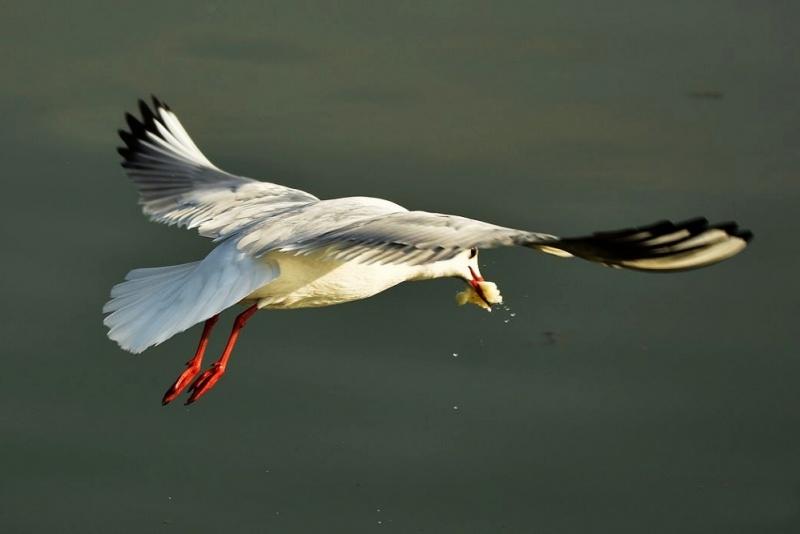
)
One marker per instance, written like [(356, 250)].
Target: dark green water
[(669, 403)]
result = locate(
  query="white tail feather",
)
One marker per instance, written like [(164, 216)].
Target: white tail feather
[(154, 304)]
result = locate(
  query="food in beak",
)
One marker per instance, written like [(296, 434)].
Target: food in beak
[(480, 293)]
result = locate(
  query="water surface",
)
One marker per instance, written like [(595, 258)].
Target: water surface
[(655, 403)]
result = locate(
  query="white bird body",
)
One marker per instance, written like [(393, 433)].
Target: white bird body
[(282, 248), (313, 281)]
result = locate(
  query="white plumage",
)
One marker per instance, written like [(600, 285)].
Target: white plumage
[(284, 248), (152, 305)]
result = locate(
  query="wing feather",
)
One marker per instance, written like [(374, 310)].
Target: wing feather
[(178, 185), (373, 231)]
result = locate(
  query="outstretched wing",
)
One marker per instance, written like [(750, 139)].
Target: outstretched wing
[(399, 237), (178, 185), (416, 237)]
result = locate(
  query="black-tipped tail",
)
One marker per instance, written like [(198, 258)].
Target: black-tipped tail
[(662, 246)]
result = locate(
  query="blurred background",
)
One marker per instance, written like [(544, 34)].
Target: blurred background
[(594, 400)]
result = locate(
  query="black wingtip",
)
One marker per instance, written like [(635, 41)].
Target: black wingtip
[(139, 129), (144, 109), (136, 128), (148, 115), (662, 246), (732, 229), (158, 104)]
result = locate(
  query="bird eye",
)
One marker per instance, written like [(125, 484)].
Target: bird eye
[(473, 252)]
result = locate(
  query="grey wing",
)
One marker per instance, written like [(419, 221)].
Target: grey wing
[(178, 185), (415, 237), (412, 237)]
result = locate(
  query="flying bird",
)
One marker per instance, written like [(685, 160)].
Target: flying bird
[(282, 248)]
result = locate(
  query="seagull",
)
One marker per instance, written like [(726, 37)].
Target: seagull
[(282, 248)]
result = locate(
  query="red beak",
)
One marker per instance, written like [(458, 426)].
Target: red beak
[(475, 283)]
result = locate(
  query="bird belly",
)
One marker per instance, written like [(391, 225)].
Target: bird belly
[(311, 281)]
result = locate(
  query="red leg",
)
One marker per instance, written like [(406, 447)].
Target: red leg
[(207, 380), (193, 364)]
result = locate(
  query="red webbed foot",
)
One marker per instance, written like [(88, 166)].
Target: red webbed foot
[(205, 382)]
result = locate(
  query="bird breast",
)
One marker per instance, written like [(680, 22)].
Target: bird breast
[(314, 281)]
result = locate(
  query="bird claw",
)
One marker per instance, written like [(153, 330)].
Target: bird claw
[(205, 382), (181, 383)]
